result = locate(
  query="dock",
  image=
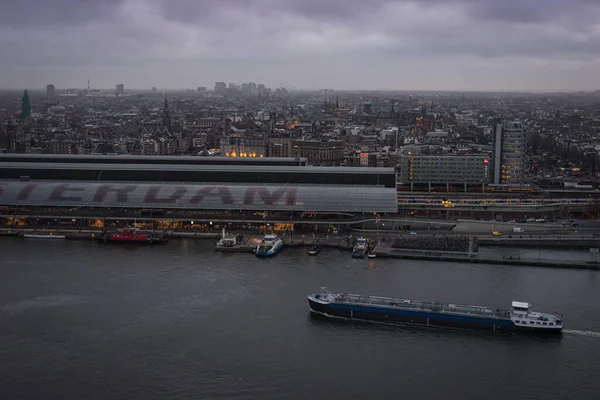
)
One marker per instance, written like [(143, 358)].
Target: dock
[(384, 250), (381, 249)]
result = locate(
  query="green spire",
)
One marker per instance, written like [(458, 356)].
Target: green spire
[(25, 105)]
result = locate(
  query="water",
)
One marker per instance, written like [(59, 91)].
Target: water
[(82, 320)]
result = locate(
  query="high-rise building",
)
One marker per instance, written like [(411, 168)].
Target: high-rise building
[(120, 90), (261, 89), (510, 145), (220, 87), (50, 92), (201, 89), (25, 105), (252, 89)]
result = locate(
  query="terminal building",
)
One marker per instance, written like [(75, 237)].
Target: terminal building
[(127, 159), (85, 190)]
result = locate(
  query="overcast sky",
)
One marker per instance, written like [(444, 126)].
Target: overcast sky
[(539, 45)]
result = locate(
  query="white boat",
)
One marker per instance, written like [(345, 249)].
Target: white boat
[(371, 255), (269, 245), (48, 236), (361, 248), (228, 240)]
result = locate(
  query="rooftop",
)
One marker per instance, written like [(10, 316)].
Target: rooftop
[(210, 196)]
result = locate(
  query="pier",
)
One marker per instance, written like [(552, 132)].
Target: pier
[(383, 247)]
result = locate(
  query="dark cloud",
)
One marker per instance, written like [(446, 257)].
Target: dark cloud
[(330, 10), (38, 14), (534, 11), (268, 36)]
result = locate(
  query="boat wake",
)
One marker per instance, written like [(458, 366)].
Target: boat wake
[(582, 333), (21, 306)]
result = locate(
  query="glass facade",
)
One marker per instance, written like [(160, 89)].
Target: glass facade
[(512, 155), (325, 198)]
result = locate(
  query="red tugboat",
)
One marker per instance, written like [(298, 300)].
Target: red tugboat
[(134, 235)]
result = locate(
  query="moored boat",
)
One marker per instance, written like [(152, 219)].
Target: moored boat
[(314, 250), (269, 245), (519, 318), (134, 235), (45, 236), (229, 240), (361, 248)]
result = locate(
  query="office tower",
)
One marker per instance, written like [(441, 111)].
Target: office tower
[(120, 90), (252, 89), (50, 92), (510, 145), (261, 89), (220, 87)]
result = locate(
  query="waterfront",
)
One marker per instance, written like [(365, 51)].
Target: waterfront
[(82, 320)]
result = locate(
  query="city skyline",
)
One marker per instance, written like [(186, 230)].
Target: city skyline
[(457, 45)]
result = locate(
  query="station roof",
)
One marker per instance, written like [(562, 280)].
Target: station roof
[(214, 196), (80, 158), (201, 167)]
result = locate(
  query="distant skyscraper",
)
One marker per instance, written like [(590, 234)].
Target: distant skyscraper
[(261, 89), (120, 89), (25, 105), (246, 88), (252, 89), (510, 145), (201, 89), (220, 87), (50, 92)]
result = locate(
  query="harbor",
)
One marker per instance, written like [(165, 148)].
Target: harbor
[(172, 309), (447, 248)]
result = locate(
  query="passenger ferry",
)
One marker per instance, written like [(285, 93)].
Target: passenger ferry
[(361, 248), (269, 245), (519, 318)]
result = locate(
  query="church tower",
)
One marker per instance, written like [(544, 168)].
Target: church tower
[(166, 115)]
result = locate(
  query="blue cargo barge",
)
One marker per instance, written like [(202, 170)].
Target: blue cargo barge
[(387, 309)]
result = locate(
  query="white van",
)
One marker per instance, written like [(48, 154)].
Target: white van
[(518, 230)]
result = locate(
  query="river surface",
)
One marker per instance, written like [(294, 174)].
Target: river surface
[(84, 320)]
